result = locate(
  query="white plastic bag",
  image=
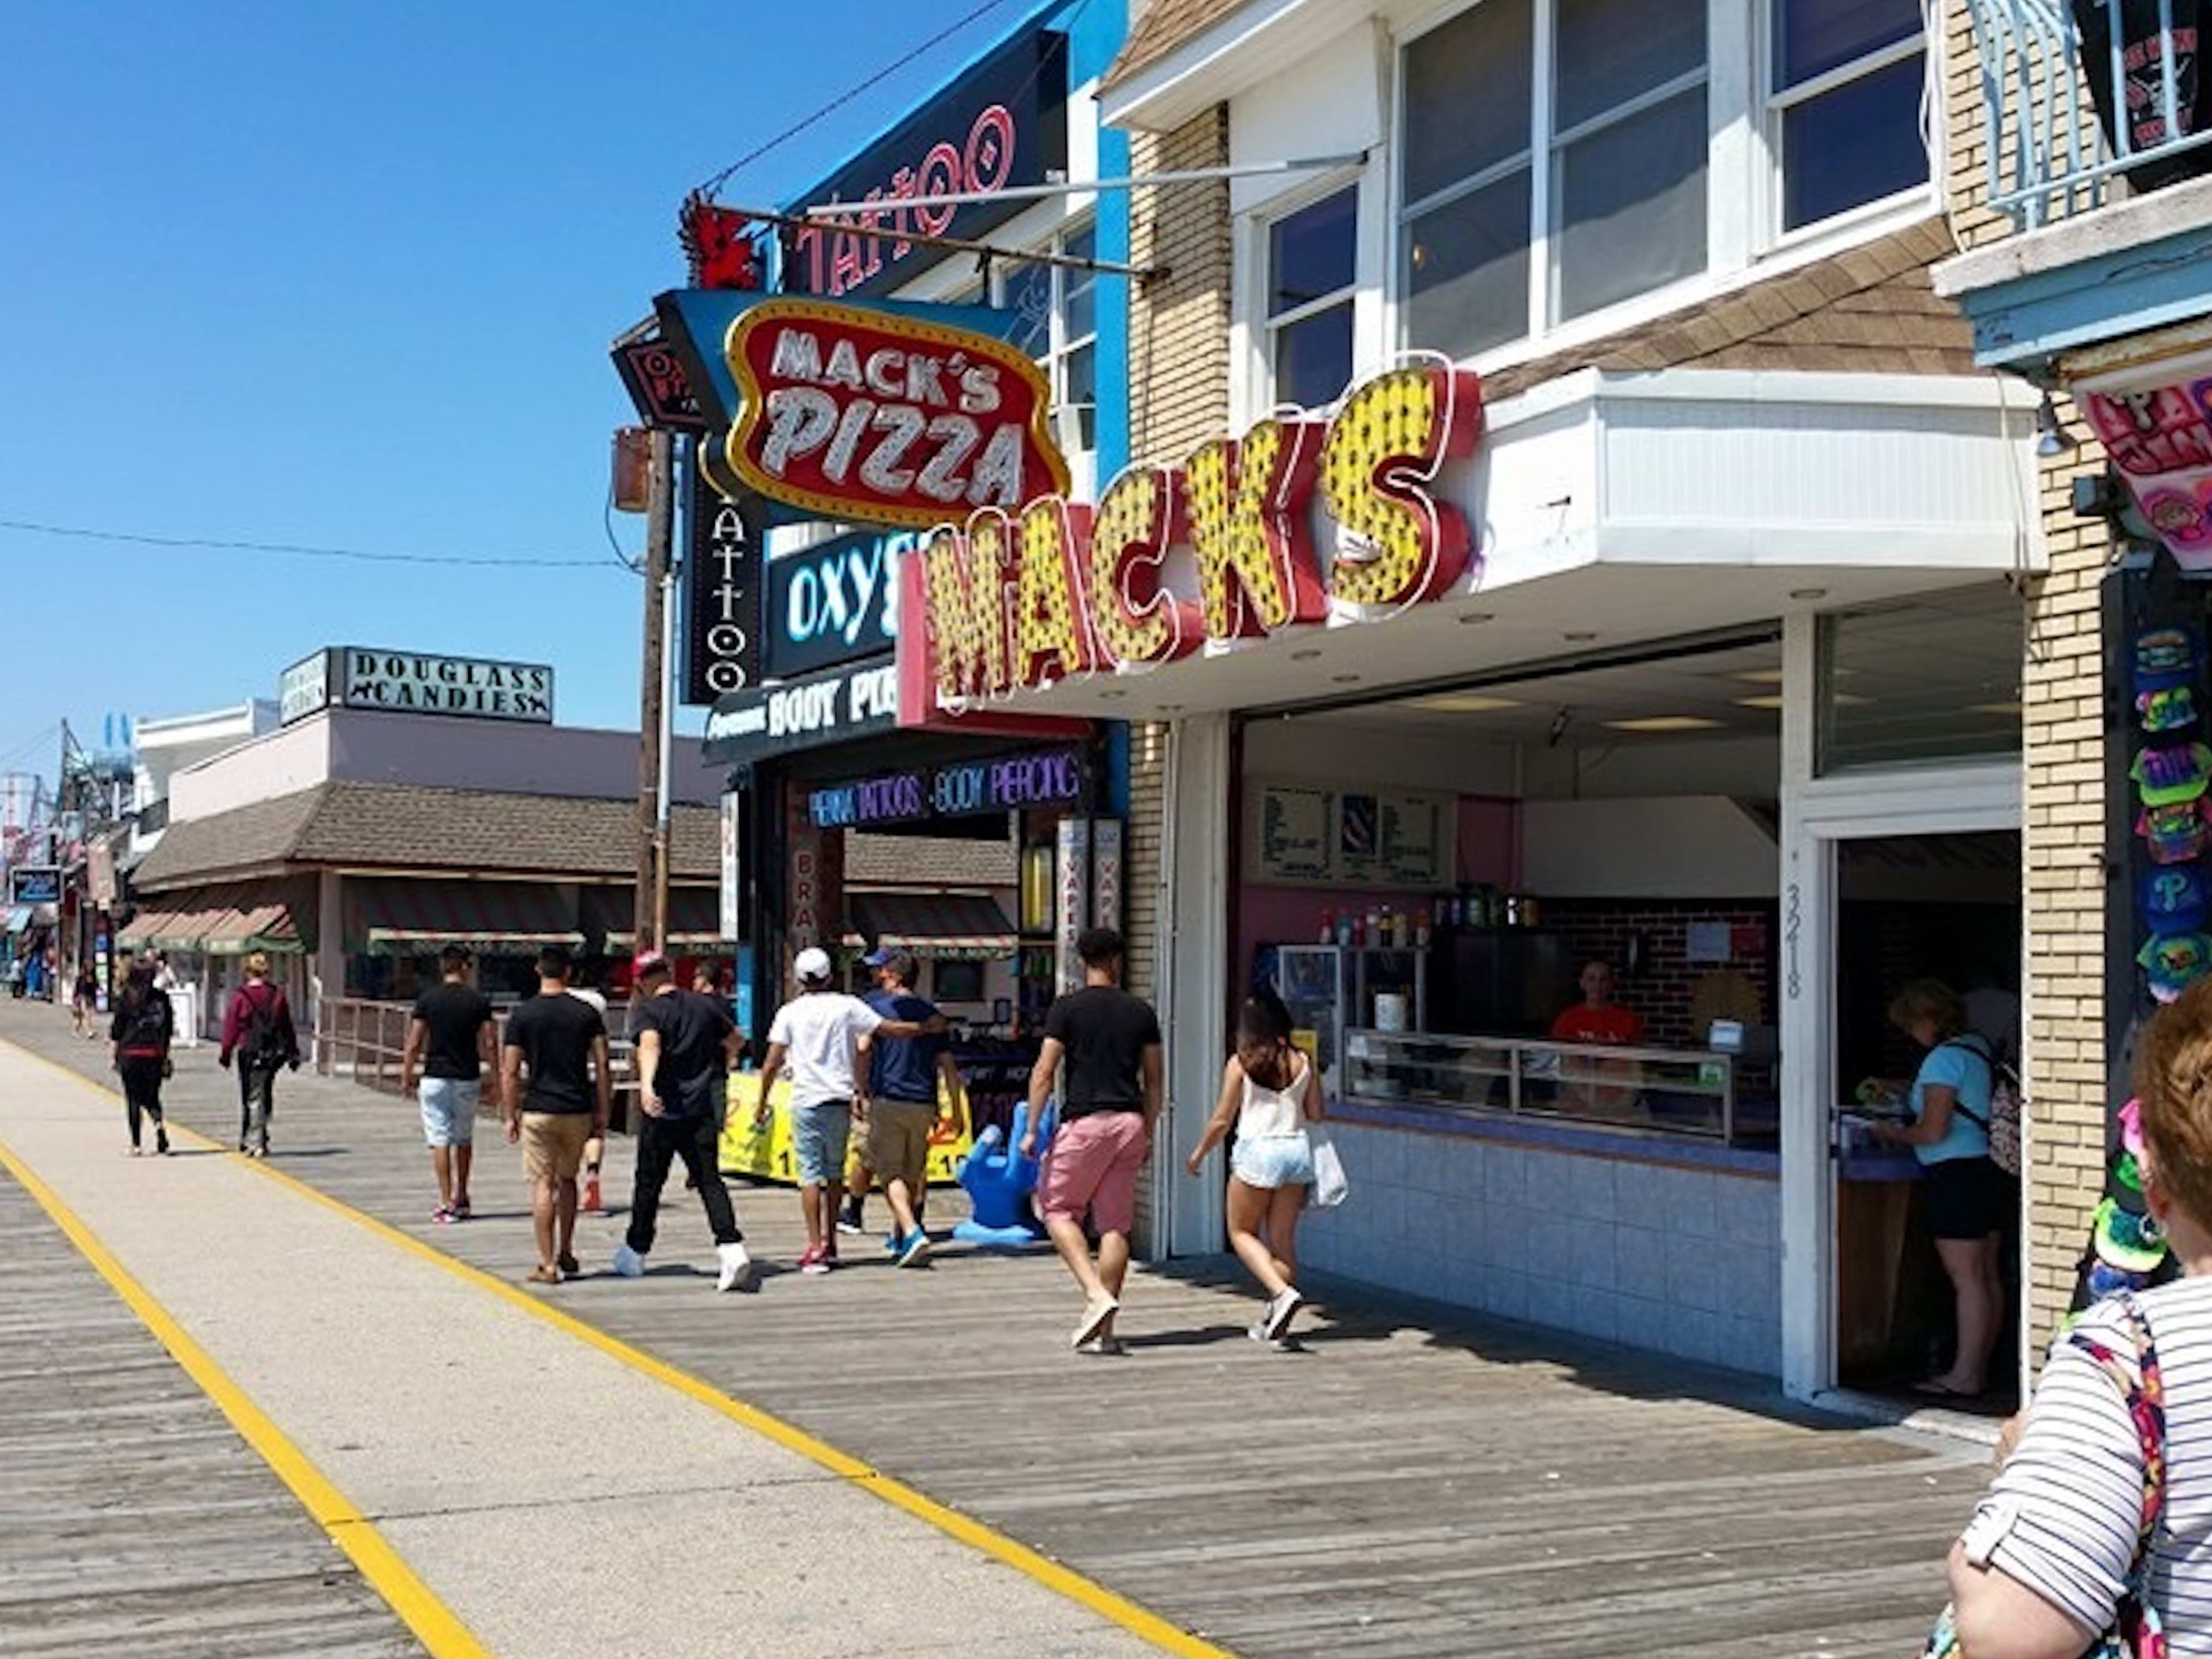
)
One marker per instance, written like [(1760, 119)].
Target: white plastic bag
[(1330, 1186)]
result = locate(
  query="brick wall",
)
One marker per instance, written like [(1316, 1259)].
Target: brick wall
[(1178, 398), (2065, 845), (1179, 321), (1660, 993)]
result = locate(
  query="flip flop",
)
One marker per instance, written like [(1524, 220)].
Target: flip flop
[(1938, 1388)]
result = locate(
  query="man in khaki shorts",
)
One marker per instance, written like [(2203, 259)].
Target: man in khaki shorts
[(907, 1077), (563, 1041)]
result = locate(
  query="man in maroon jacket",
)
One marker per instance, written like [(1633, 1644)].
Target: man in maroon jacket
[(257, 1028)]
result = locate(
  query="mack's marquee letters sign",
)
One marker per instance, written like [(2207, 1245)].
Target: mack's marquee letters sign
[(873, 418), (1013, 600), (721, 598)]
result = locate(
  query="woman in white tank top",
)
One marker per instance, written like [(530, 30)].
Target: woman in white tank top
[(1268, 1094)]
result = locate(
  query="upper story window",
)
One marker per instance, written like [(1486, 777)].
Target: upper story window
[(1059, 308), (1313, 257), (1553, 163), (1848, 83)]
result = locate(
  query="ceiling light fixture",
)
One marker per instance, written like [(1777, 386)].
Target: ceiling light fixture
[(1344, 680), (1469, 619), (1808, 594), (1112, 697), (1664, 723), (1578, 637), (1772, 700), (1304, 656), (1466, 703), (1759, 675)]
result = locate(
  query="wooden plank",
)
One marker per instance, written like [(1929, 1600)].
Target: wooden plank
[(134, 1519), (1411, 1482)]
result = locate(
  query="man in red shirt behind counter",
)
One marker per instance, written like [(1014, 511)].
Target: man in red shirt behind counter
[(1597, 1017)]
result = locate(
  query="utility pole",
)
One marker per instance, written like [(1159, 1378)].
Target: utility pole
[(659, 537)]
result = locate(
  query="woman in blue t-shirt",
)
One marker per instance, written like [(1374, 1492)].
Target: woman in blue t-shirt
[(1966, 1196)]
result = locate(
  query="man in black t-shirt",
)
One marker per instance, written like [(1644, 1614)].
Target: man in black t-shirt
[(686, 1044), (1103, 1045), (452, 1038), (564, 1042)]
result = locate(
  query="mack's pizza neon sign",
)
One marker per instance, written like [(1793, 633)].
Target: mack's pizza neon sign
[(1022, 598), (872, 418)]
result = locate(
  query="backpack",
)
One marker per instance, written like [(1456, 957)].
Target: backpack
[(2007, 1103), (147, 1024), (262, 1042)]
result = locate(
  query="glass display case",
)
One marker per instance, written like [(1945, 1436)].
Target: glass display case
[(1646, 1090)]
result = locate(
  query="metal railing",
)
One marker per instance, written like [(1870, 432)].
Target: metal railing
[(364, 1041), (2049, 155), (1644, 1091)]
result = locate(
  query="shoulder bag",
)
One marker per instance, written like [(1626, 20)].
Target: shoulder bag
[(2137, 1632)]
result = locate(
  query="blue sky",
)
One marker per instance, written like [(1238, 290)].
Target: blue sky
[(345, 275)]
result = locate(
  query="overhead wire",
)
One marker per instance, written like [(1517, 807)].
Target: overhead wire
[(297, 550), (718, 180)]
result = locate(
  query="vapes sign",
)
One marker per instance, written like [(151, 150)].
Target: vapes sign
[(874, 418)]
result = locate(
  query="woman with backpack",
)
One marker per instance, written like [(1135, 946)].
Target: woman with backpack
[(1966, 1196), (141, 1031), (257, 1031)]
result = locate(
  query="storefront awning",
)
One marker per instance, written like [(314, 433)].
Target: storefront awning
[(946, 924), (695, 918), (406, 918), (19, 918), (229, 919)]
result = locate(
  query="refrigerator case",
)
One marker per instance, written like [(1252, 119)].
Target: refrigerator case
[(1506, 982), (1332, 988)]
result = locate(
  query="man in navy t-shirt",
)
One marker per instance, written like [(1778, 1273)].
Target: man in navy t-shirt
[(902, 1099)]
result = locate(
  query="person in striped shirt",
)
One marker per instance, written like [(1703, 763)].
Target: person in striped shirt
[(2042, 1568)]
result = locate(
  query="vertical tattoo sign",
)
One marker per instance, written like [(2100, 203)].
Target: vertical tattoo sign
[(721, 598)]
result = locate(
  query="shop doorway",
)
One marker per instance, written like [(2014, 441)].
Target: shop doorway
[(1885, 875), (1914, 913)]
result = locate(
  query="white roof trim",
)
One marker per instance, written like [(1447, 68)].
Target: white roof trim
[(1234, 54)]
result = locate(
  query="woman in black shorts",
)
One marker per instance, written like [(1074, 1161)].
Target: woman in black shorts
[(1966, 1198)]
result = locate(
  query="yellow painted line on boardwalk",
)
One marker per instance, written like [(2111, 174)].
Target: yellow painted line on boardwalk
[(432, 1622), (1131, 1616)]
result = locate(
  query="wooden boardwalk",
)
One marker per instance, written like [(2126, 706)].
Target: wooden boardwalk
[(133, 1519), (1414, 1482)]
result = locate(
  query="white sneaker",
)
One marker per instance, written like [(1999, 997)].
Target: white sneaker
[(1281, 1310), (629, 1264), (1098, 1312), (738, 1271)]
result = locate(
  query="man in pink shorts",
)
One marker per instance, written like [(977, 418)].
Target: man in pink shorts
[(1103, 1046)]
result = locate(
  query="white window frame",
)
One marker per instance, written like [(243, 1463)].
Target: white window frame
[(1777, 103), (1060, 346), (1539, 156), (1266, 328), (1743, 205)]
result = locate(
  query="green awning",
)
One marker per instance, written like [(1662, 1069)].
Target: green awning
[(392, 916)]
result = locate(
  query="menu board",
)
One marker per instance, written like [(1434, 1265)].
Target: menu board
[(1294, 828), (1351, 837), (1411, 840)]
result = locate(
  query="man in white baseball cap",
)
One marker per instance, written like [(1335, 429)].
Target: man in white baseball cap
[(822, 1036)]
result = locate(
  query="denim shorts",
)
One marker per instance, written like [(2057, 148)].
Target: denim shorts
[(1272, 1161), (819, 1137), (449, 1110)]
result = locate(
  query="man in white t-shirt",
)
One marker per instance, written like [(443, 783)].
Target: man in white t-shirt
[(822, 1037)]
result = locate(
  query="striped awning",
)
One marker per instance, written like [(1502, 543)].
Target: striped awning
[(694, 918), (391, 916), (960, 925), (222, 921)]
